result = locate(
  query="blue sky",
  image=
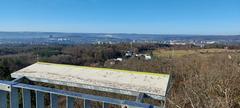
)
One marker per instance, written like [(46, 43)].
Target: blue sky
[(122, 16)]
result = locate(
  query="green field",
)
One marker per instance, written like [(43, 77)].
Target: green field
[(181, 53), (172, 53)]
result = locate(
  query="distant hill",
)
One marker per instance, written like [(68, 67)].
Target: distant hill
[(73, 38)]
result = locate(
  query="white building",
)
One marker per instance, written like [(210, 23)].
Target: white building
[(147, 57)]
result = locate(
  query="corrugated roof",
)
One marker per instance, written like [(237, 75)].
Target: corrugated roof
[(149, 83)]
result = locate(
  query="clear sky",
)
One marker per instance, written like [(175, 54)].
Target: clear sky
[(122, 16)]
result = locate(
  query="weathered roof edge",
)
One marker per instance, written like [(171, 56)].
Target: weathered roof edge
[(115, 70)]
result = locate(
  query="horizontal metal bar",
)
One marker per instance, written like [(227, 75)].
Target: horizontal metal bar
[(18, 80), (158, 97), (40, 90)]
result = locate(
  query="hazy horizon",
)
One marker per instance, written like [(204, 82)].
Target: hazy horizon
[(118, 33)]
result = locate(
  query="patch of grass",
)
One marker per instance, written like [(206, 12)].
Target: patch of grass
[(181, 53), (215, 50), (173, 53)]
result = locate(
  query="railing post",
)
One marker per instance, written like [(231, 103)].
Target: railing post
[(26, 96), (69, 102), (3, 99), (54, 100), (39, 99), (105, 105), (14, 98), (87, 104)]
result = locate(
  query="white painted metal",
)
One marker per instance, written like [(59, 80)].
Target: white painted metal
[(5, 87)]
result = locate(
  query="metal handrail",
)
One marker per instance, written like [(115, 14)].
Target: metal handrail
[(12, 88)]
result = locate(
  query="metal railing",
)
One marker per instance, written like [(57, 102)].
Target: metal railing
[(11, 89)]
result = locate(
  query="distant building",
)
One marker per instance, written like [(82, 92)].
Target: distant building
[(143, 56), (173, 42), (113, 61), (210, 42), (128, 54), (138, 55), (119, 59), (147, 57)]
